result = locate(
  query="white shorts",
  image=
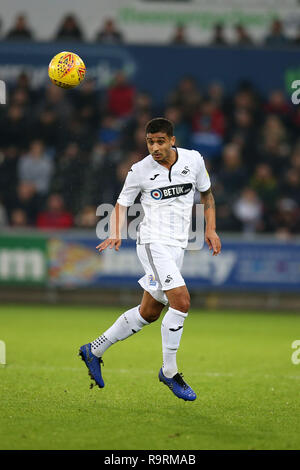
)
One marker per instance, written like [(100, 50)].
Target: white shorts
[(162, 264)]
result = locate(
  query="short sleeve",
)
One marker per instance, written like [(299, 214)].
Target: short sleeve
[(130, 189), (202, 176)]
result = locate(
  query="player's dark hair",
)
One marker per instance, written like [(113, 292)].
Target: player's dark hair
[(160, 125)]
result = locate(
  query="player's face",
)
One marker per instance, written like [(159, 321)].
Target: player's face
[(160, 146)]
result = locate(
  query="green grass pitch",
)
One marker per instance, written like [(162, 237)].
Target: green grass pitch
[(238, 363)]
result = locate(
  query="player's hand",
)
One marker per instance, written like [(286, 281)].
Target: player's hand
[(111, 243), (213, 241)]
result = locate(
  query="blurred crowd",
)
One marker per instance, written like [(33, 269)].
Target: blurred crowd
[(63, 153), (70, 29)]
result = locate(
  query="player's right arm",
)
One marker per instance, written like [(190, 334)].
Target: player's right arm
[(126, 198), (117, 219)]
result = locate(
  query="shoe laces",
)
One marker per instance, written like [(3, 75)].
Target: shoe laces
[(179, 379)]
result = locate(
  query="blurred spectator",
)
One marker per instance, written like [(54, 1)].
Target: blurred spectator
[(232, 173), (87, 217), (245, 98), (124, 167), (182, 130), (242, 36), (21, 97), (139, 144), (208, 127), (215, 93), (109, 34), (295, 121), (276, 36), (26, 200), (242, 131), (55, 216), (273, 127), (274, 154), (15, 127), (69, 30), (36, 167), (56, 98), (186, 97), (20, 29), (279, 105), (24, 84), (143, 102), (121, 94), (218, 38), (179, 37), (248, 209), (78, 130), (99, 183), (87, 102), (8, 173), (137, 121), (69, 175), (209, 118), (3, 216), (47, 127), (287, 216), (109, 131), (290, 187), (224, 202), (264, 183), (18, 218), (295, 159)]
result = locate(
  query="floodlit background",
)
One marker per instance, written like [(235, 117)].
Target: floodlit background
[(225, 72)]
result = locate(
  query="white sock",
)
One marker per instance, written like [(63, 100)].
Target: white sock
[(171, 332), (126, 325)]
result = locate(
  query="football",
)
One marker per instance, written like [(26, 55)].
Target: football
[(66, 70)]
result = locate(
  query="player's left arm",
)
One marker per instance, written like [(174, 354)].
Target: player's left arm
[(211, 237)]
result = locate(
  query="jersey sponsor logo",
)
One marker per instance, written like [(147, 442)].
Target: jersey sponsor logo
[(156, 194), (171, 191), (155, 176)]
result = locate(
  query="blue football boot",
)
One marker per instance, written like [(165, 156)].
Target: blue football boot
[(178, 386), (93, 364)]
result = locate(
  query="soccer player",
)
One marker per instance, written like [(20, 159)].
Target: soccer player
[(167, 179)]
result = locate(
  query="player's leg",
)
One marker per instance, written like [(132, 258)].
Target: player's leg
[(150, 308), (172, 327), (171, 332), (166, 262), (126, 325)]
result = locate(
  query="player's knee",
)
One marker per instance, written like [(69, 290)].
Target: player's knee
[(182, 304), (149, 315)]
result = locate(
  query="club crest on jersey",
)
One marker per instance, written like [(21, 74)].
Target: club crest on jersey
[(185, 171), (171, 191)]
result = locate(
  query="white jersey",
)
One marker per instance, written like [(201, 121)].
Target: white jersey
[(167, 196)]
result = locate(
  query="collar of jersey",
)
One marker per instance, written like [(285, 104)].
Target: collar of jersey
[(158, 165)]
